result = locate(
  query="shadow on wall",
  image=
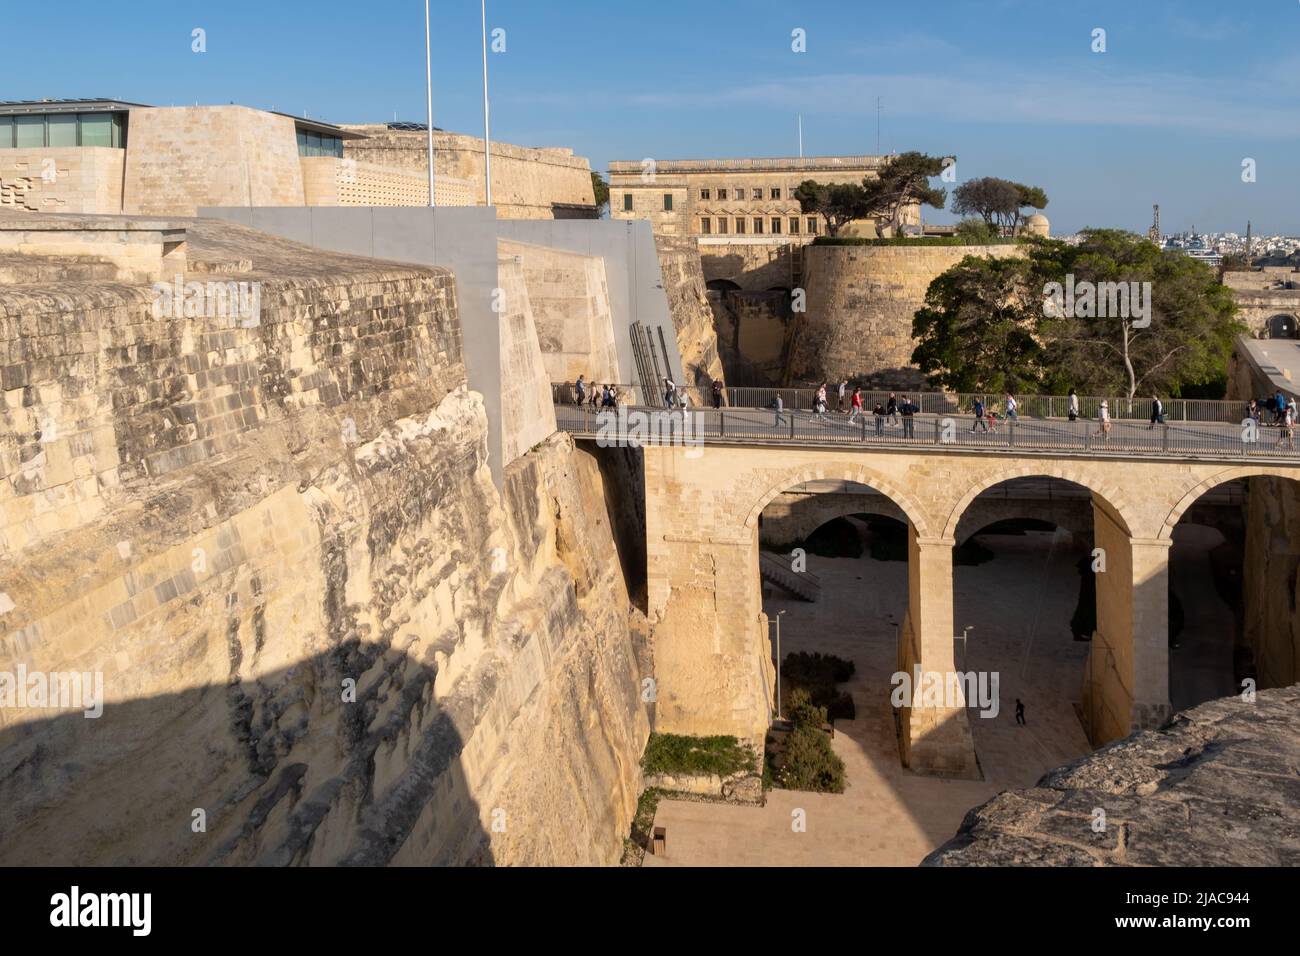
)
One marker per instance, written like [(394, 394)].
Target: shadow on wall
[(277, 771)]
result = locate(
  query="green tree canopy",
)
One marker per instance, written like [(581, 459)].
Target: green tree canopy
[(600, 189), (836, 203), (901, 182), (998, 202), (996, 323)]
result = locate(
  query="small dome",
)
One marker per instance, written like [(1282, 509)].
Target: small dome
[(1036, 225)]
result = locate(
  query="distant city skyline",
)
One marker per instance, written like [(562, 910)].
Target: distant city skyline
[(1183, 95)]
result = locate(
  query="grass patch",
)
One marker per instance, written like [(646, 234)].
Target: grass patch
[(682, 756)]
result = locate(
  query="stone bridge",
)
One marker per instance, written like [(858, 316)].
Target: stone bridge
[(713, 659)]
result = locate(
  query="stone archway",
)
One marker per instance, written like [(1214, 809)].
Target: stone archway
[(1283, 326)]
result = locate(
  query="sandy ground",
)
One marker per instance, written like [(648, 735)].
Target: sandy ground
[(1018, 607)]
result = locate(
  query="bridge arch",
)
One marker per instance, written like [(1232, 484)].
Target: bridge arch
[(1108, 496), (842, 472), (1208, 484)]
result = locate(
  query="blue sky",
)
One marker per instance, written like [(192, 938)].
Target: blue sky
[(1184, 92)]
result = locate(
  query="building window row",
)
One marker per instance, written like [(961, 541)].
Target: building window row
[(757, 225), (319, 144), (39, 130), (739, 193)]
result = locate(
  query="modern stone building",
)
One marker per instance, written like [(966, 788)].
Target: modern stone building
[(108, 156), (731, 197)]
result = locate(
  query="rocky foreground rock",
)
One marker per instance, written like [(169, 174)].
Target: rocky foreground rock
[(1218, 785)]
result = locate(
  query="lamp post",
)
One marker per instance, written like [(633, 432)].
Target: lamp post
[(428, 80), (487, 136), (778, 663)]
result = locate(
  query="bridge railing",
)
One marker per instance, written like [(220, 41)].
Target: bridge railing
[(933, 402), (1225, 440)]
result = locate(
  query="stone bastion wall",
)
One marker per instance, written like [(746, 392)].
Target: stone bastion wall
[(861, 300), (323, 635)]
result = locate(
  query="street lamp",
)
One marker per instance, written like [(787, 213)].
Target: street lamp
[(964, 631), (487, 137), (778, 662), (428, 80)]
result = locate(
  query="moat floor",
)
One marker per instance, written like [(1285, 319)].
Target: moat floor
[(1019, 607)]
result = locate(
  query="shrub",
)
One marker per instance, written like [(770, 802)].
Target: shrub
[(803, 711), (816, 668), (676, 754), (810, 763)]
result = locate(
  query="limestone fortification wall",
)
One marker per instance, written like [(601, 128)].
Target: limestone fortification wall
[(569, 298), (322, 631), (754, 265), (527, 183), (76, 179), (330, 181), (181, 158), (861, 300), (527, 411), (688, 303)]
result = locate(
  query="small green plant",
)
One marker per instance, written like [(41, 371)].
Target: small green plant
[(803, 712), (810, 763), (681, 755)]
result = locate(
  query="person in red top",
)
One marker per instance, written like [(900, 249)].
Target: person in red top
[(856, 403)]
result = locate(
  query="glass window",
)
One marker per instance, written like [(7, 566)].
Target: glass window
[(706, 226), (302, 143), (776, 192), (96, 129), (722, 192), (668, 202), (776, 225), (62, 129), (758, 225), (627, 200), (722, 225), (29, 131), (757, 193), (313, 144), (812, 225), (119, 130), (740, 226), (6, 132), (704, 194), (794, 225)]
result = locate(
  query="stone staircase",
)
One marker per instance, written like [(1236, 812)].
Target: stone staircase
[(776, 570)]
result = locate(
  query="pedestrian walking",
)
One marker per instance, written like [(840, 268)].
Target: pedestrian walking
[(979, 416), (844, 387), (879, 413), (907, 410), (1011, 406), (670, 393), (1157, 412), (581, 389), (855, 405), (1072, 406), (819, 404), (891, 409), (1279, 408), (717, 393), (778, 405), (1288, 426), (1103, 417), (595, 397), (1020, 712), (613, 396)]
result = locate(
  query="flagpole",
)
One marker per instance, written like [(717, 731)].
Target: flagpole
[(428, 79), (487, 137)]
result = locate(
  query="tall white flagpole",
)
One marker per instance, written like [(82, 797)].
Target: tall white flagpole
[(428, 79), (801, 136), (487, 136)]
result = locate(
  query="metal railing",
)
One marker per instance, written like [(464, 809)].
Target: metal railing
[(696, 427), (937, 403)]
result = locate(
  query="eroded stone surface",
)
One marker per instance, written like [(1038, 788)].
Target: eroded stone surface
[(1218, 785)]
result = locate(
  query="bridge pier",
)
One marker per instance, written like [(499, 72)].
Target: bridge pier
[(1126, 683), (933, 737)]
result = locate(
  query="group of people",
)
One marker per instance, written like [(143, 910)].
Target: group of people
[(606, 396), (1285, 414)]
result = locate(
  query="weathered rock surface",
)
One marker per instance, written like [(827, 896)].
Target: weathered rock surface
[(688, 303), (1218, 785), (325, 636)]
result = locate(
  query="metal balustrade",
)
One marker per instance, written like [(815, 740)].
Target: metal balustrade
[(951, 427)]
